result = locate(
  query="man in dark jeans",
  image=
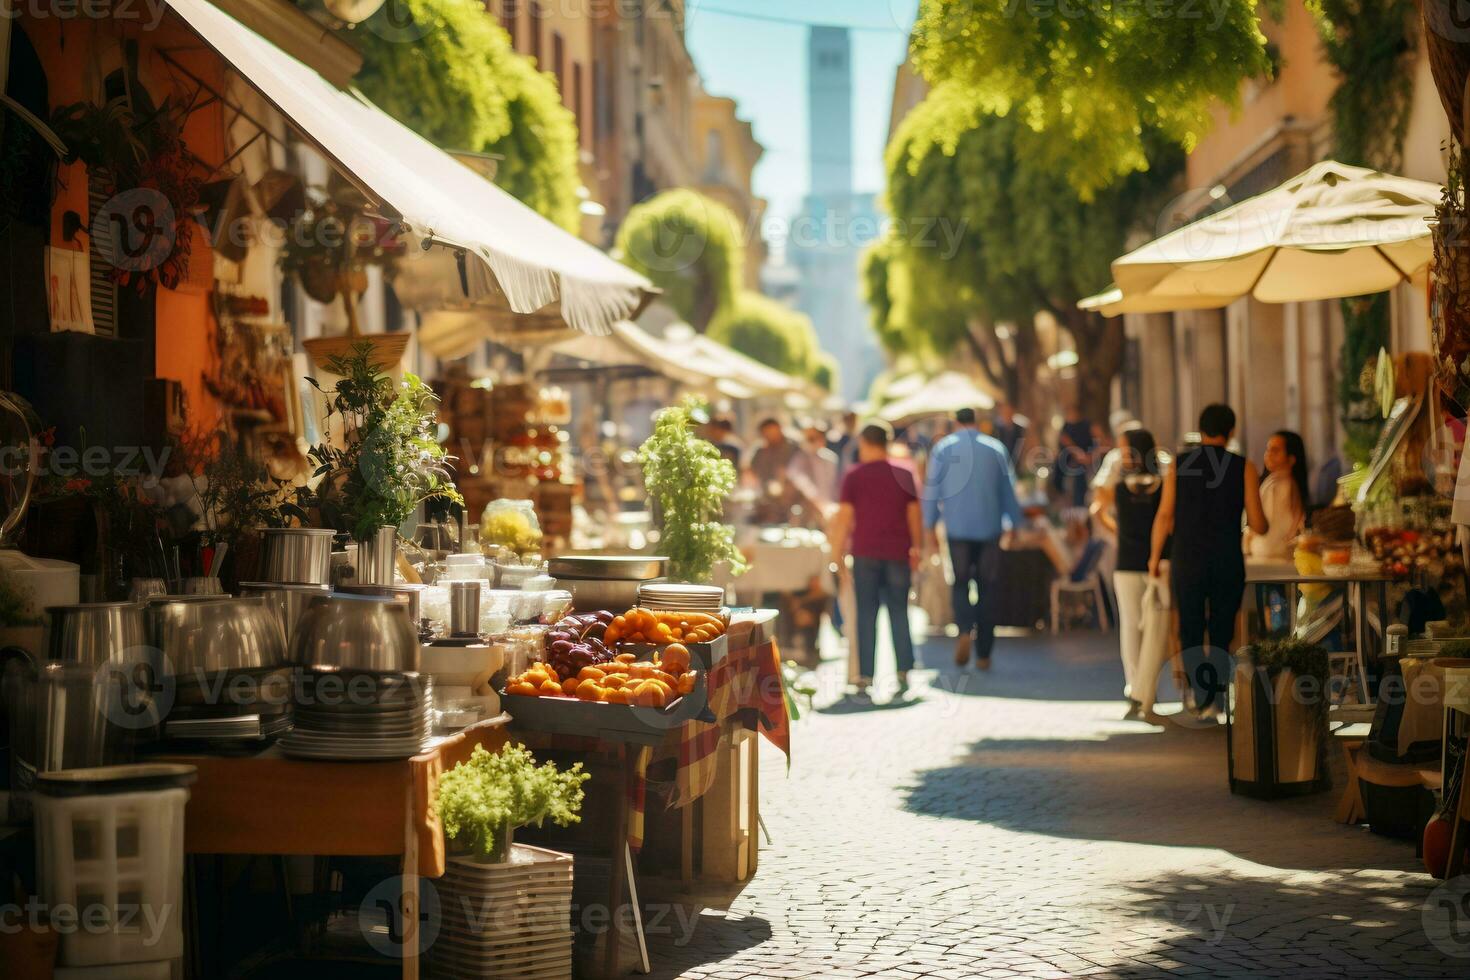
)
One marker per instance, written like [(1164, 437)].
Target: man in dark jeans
[(972, 488), (879, 524)]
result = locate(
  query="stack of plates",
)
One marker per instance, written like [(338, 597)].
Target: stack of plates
[(360, 716), (505, 920), (682, 598), (228, 728)]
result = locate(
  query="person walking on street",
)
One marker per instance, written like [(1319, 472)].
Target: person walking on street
[(1204, 497), (1126, 504), (878, 522), (972, 489), (769, 472), (1010, 431), (1074, 458)]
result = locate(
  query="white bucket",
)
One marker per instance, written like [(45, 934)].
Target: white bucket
[(43, 581)]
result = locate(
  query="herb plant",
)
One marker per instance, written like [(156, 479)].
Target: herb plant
[(481, 802), (389, 461), (688, 482)]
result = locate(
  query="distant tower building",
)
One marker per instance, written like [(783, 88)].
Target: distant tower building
[(829, 107), (836, 224)]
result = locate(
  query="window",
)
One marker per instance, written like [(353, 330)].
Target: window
[(582, 126), (510, 16), (559, 64), (538, 14)]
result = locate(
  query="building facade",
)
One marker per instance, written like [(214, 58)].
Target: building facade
[(1278, 365)]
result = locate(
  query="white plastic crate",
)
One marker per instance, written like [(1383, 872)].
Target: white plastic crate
[(116, 861)]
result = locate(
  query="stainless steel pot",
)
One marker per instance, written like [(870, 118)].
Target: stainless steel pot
[(376, 556), (69, 716), (356, 633), (407, 593), (287, 601), (592, 594), (639, 568), (97, 633), (298, 555), (198, 639)]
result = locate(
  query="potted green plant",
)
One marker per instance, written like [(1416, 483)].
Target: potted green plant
[(687, 482), (505, 907), (1278, 732), (387, 463), (483, 801)]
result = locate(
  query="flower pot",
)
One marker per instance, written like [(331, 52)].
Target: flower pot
[(1277, 733), (503, 918), (376, 556)]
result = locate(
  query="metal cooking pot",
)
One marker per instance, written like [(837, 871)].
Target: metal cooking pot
[(203, 638), (351, 632), (287, 601), (97, 633), (408, 593), (298, 555)]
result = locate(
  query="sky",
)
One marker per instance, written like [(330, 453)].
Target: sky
[(762, 65)]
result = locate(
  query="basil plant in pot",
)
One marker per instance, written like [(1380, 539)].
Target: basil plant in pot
[(481, 802), (687, 481), (387, 463)]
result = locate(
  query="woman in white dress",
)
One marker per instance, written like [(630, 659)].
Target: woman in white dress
[(1284, 497)]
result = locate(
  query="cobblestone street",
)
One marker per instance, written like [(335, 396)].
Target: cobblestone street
[(1010, 824)]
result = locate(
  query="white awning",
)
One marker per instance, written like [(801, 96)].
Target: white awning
[(523, 256)]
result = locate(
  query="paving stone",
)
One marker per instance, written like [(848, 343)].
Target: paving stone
[(1010, 824)]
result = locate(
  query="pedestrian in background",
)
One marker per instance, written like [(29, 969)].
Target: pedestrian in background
[(769, 472), (971, 487), (1010, 431), (814, 471), (1126, 504), (879, 524), (1205, 494), (1075, 444)]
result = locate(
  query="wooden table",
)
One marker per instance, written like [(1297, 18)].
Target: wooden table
[(271, 804)]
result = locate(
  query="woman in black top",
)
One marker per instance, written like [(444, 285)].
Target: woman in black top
[(1125, 504), (1203, 500)]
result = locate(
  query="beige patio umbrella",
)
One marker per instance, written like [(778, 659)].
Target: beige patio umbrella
[(942, 395), (1330, 232)]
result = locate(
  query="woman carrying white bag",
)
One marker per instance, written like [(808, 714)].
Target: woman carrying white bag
[(1126, 503)]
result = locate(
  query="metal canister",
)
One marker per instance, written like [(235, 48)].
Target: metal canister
[(464, 608)]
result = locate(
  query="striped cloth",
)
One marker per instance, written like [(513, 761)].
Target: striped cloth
[(746, 690)]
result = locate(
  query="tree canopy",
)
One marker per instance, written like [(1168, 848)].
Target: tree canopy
[(1028, 241), (772, 333), (691, 247), (447, 70), (1090, 80)]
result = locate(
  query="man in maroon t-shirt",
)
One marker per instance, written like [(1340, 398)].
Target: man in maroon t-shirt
[(881, 526)]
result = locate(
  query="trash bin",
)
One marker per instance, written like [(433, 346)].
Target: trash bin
[(1277, 720), (110, 851)]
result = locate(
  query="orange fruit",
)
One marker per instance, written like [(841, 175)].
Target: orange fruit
[(590, 673), (626, 658), (614, 682), (589, 692), (551, 689), (686, 682), (674, 658), (569, 686), (523, 688)]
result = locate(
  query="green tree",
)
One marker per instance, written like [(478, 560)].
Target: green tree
[(690, 246), (826, 373), (447, 70), (770, 332), (1027, 242), (1091, 80)]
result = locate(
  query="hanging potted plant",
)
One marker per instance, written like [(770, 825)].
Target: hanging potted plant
[(388, 461), (687, 481), (505, 907)]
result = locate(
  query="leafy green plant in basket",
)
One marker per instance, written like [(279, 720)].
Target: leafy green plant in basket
[(687, 481), (481, 802), (1306, 661), (388, 461)]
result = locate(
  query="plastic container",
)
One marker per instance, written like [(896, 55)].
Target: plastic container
[(110, 844)]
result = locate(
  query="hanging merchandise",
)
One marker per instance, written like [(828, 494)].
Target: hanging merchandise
[(1449, 286)]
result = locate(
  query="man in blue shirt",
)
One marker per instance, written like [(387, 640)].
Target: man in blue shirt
[(972, 488)]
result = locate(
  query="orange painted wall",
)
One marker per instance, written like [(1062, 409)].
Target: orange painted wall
[(76, 54)]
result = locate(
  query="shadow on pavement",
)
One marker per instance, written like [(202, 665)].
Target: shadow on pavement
[(1083, 666), (1139, 784), (860, 704)]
